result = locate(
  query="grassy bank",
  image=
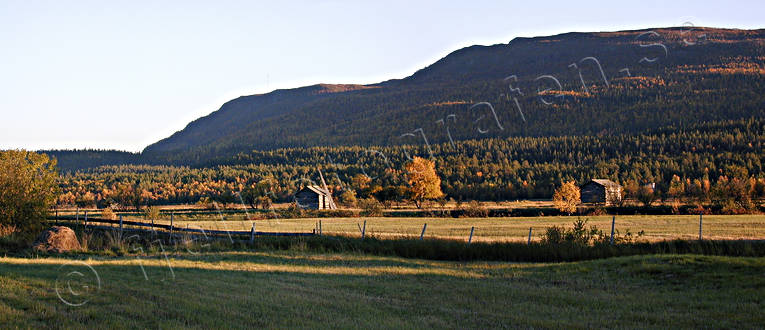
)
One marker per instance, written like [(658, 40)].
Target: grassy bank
[(298, 289), (109, 242)]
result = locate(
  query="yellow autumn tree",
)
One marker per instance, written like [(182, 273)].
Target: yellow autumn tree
[(424, 183), (28, 190), (567, 197)]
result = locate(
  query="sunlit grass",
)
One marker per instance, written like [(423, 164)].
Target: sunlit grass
[(315, 264), (656, 228)]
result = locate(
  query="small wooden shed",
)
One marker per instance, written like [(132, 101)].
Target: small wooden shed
[(601, 191), (314, 198)]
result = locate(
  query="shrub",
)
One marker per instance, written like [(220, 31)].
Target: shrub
[(108, 214), (348, 198), (580, 235), (675, 204), (442, 202), (597, 211), (205, 203), (114, 241), (27, 191), (85, 238), (554, 235), (293, 211), (152, 212), (371, 207), (474, 209), (646, 195), (264, 202)]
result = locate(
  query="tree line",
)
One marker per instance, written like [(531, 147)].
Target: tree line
[(676, 162)]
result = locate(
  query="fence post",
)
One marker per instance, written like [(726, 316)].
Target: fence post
[(423, 231), (613, 222), (77, 216), (320, 230), (470, 239), (701, 221), (56, 216), (86, 220), (252, 233), (364, 230), (120, 225), (529, 242)]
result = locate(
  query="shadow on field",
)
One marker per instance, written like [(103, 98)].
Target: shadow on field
[(287, 290)]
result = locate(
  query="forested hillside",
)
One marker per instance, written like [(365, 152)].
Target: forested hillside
[(704, 162), (72, 160), (683, 108), (598, 84)]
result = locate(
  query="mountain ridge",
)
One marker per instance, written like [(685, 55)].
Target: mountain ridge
[(386, 113)]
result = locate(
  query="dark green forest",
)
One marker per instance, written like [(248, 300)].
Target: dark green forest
[(682, 163)]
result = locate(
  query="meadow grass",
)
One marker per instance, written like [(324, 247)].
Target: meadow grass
[(302, 289), (513, 229)]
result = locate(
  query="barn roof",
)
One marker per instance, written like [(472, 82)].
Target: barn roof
[(317, 189), (606, 183)]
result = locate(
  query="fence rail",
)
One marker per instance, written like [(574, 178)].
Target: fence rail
[(173, 229)]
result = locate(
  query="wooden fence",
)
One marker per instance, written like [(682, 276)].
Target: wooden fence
[(152, 227)]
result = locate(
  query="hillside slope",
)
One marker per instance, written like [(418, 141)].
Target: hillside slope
[(650, 78)]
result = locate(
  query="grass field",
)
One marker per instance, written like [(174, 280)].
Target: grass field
[(656, 228), (300, 289)]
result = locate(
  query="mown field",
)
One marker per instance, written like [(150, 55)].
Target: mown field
[(308, 290), (656, 228)]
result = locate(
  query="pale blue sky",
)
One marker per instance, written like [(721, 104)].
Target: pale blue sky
[(124, 74)]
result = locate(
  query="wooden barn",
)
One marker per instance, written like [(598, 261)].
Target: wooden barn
[(315, 198), (601, 191)]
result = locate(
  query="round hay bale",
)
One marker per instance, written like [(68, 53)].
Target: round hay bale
[(57, 239)]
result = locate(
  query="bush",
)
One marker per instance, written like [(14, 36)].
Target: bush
[(475, 210), (152, 213), (348, 198), (371, 207), (28, 186), (264, 202), (293, 211), (580, 235), (597, 211), (108, 214), (206, 203)]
